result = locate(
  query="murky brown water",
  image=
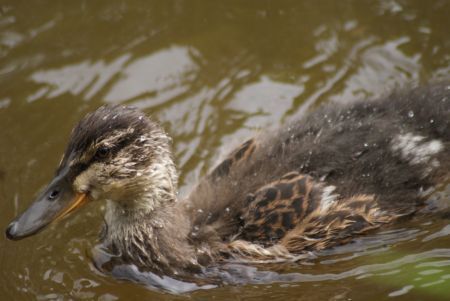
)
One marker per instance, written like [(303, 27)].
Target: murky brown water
[(212, 72)]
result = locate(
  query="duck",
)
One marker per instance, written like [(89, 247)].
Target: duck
[(316, 183)]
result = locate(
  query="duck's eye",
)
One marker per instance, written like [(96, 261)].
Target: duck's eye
[(102, 152)]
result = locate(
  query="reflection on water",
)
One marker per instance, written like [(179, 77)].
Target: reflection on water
[(83, 79), (383, 68), (262, 93), (160, 75), (213, 73)]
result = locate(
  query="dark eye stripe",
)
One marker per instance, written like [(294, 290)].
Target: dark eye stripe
[(114, 150), (80, 167)]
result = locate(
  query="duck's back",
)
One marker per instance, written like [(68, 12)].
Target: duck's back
[(369, 153)]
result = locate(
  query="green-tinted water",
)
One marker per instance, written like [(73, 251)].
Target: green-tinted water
[(211, 72)]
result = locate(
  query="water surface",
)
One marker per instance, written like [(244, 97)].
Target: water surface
[(213, 73)]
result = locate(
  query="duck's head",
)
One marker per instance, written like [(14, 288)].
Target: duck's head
[(115, 153)]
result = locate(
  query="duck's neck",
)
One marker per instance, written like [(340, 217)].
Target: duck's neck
[(156, 240), (149, 228)]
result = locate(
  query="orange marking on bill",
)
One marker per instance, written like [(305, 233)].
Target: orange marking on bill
[(79, 199)]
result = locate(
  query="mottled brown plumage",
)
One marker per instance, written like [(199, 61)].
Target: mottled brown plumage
[(313, 184), (278, 207)]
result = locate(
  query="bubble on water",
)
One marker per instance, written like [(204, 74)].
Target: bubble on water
[(410, 114)]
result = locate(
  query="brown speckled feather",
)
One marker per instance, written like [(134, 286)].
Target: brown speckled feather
[(286, 217), (278, 207), (337, 225), (319, 230)]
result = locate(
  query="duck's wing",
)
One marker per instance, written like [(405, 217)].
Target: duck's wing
[(278, 207), (296, 214)]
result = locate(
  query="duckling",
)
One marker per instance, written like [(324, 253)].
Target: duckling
[(316, 183)]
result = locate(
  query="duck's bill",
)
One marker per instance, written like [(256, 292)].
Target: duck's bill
[(55, 202)]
